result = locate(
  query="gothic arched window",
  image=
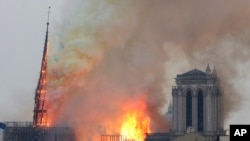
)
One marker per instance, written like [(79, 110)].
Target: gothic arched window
[(189, 109)]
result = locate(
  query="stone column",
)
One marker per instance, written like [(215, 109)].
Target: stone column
[(209, 111), (180, 113), (184, 113), (175, 108), (215, 119), (220, 111)]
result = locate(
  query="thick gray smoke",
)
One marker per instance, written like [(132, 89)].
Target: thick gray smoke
[(111, 53)]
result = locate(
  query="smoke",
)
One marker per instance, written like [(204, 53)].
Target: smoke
[(215, 32), (108, 55)]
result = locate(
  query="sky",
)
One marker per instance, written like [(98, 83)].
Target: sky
[(22, 26), (22, 34)]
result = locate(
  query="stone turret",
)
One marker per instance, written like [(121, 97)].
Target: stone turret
[(208, 70)]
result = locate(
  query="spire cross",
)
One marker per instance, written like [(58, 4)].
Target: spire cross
[(48, 14)]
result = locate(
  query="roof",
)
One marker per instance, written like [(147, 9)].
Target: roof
[(193, 74)]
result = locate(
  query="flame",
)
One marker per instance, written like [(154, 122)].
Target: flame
[(135, 124), (44, 122)]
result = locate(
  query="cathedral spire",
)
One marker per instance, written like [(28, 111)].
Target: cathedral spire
[(40, 112), (47, 31), (208, 70)]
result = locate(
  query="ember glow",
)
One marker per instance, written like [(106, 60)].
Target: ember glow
[(40, 110), (44, 122)]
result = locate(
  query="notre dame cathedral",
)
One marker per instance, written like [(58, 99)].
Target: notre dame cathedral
[(197, 102), (196, 108)]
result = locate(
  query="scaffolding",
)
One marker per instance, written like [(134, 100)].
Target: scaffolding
[(115, 138), (25, 131)]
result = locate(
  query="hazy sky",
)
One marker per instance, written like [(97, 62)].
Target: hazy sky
[(22, 34)]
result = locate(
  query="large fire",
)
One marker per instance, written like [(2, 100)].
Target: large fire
[(135, 124)]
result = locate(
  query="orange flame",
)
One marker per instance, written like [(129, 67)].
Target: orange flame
[(45, 122), (135, 124)]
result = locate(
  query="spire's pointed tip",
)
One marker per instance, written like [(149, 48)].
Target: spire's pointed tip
[(48, 15)]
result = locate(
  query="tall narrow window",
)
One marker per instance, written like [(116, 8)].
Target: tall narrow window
[(189, 109), (200, 112)]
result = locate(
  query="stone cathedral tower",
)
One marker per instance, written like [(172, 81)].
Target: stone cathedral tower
[(197, 103)]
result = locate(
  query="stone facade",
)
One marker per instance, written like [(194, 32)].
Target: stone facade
[(197, 103)]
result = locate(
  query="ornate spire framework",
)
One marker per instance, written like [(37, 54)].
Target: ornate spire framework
[(40, 112)]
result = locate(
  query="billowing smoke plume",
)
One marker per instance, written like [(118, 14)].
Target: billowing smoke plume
[(104, 65), (110, 55)]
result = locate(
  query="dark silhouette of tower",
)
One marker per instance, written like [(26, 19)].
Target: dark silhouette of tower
[(40, 112)]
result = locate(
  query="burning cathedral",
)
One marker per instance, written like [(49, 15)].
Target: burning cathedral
[(196, 112), (196, 109)]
